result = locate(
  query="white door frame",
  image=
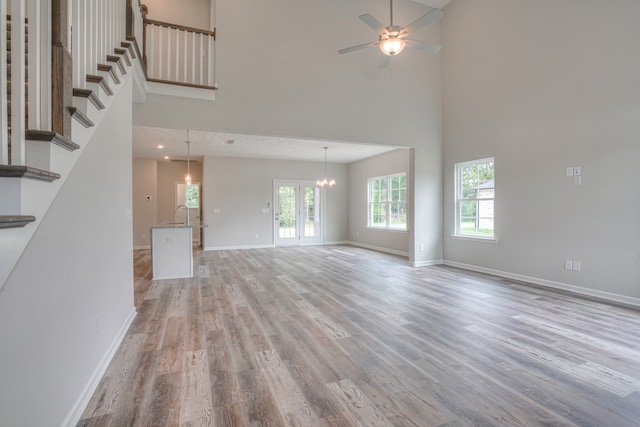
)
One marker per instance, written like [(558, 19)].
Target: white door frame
[(299, 239)]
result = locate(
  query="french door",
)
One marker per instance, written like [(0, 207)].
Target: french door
[(297, 213)]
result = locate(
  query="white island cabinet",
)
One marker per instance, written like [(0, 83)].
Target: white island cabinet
[(172, 250)]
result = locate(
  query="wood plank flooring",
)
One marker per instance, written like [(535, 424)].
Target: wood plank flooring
[(342, 336)]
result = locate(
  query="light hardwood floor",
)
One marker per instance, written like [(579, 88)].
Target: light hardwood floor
[(342, 336)]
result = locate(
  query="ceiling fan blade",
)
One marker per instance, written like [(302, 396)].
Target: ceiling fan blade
[(373, 23), (357, 47), (384, 61), (427, 47), (425, 19)]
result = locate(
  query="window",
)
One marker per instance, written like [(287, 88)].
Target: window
[(388, 202), (475, 194), (192, 195)]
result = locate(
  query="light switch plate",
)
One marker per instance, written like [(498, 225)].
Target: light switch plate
[(568, 264), (569, 171), (577, 170)]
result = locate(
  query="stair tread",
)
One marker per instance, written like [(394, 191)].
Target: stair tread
[(52, 137), (88, 93), (21, 171), (81, 117), (15, 221)]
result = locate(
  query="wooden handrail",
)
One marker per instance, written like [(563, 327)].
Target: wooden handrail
[(180, 27)]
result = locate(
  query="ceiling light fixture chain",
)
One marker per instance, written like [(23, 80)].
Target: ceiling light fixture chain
[(187, 178), (325, 182)]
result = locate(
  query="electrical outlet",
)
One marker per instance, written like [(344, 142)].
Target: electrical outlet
[(421, 247), (577, 265), (568, 264)]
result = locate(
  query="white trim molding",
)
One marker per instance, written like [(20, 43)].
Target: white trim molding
[(379, 249), (78, 408), (577, 290)]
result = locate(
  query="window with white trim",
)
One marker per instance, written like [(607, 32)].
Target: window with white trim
[(388, 202), (475, 195)]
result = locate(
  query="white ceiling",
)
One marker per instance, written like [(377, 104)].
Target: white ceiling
[(147, 139)]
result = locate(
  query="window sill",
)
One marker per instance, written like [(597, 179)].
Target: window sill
[(394, 230), (475, 239)]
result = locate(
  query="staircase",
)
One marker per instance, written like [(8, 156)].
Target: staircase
[(35, 162)]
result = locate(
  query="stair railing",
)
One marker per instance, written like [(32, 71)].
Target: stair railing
[(99, 26), (177, 54), (29, 74)]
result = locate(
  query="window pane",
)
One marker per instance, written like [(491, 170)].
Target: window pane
[(311, 213), (192, 195), (475, 196), (378, 215), (398, 216), (287, 223)]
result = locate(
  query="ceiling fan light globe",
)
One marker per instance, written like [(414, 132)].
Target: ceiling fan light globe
[(392, 46)]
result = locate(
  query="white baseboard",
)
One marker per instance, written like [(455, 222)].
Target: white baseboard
[(425, 263), (231, 248), (578, 290), (379, 249), (74, 415)]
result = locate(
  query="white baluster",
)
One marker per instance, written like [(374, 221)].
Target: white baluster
[(18, 74), (193, 58), (160, 50), (177, 55), (151, 55), (210, 81), (200, 58), (168, 50), (186, 52)]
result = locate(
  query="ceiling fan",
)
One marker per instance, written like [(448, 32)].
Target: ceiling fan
[(393, 39)]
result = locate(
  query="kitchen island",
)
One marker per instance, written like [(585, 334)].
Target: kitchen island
[(172, 250)]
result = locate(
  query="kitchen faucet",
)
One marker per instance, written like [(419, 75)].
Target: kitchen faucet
[(186, 209)]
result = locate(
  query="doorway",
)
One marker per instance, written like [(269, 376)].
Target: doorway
[(297, 213), (189, 196)]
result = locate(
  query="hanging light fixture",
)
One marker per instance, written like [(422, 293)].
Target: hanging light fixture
[(325, 182), (187, 177)]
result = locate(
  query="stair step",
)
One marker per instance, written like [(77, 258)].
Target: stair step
[(104, 84), (109, 69), (87, 93), (129, 46), (50, 136), (81, 117), (21, 171), (15, 221), (116, 60), (123, 53)]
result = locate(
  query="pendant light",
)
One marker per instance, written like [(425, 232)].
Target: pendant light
[(187, 177), (325, 182)]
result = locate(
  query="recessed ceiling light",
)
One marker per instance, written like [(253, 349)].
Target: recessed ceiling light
[(160, 146), (166, 157)]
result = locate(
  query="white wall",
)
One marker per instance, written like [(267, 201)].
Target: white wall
[(279, 74), (190, 13), (394, 162), (543, 85), (145, 211), (76, 271), (241, 188)]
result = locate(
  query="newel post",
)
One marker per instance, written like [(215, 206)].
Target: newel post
[(61, 69)]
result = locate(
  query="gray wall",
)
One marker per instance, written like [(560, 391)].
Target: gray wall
[(543, 85), (71, 293), (397, 161), (145, 212), (241, 188)]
